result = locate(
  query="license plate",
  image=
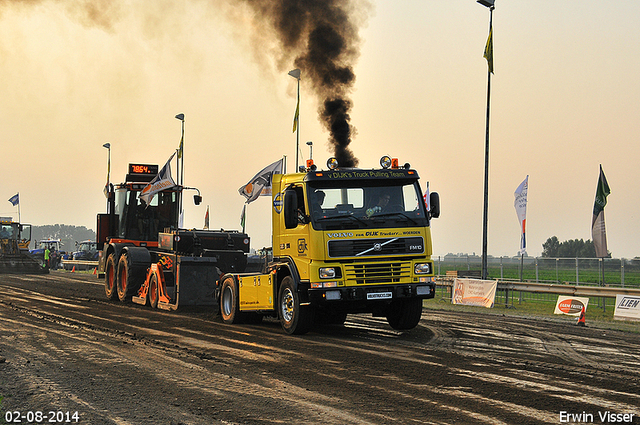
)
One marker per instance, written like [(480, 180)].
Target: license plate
[(379, 295)]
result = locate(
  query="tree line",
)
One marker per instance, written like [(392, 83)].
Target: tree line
[(68, 235), (573, 248)]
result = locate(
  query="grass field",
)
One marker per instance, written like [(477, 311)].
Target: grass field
[(542, 307), (584, 271)]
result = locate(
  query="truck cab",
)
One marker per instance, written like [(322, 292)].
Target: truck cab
[(347, 241)]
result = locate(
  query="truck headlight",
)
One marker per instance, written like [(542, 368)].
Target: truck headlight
[(422, 268), (327, 272)]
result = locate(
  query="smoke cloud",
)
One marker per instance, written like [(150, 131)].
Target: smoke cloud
[(322, 38)]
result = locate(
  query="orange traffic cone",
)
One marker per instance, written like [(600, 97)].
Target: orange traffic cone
[(73, 269), (581, 318), (95, 270)]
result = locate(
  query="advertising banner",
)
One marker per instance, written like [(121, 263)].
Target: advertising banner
[(476, 292), (627, 308), (571, 305), (521, 210)]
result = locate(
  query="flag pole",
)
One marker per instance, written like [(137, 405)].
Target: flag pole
[(19, 218), (486, 149), (298, 127), (296, 119)]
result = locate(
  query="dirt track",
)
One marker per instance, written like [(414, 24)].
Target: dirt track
[(63, 348)]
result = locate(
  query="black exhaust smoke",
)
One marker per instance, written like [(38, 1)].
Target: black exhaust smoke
[(322, 37)]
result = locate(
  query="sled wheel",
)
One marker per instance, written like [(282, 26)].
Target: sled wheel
[(153, 294), (110, 276), (129, 278), (229, 304)]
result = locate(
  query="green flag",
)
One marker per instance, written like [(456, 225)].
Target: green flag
[(598, 231), (296, 117), (243, 217), (488, 50)]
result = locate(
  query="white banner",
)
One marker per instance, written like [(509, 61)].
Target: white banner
[(521, 210), (627, 308), (571, 305), (474, 292)]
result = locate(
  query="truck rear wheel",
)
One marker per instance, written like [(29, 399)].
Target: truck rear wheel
[(294, 318), (110, 277), (404, 314), (130, 278), (229, 305)]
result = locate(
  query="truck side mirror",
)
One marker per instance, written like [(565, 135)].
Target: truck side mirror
[(434, 201), (197, 199), (290, 209)]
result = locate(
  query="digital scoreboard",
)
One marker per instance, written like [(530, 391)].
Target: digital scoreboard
[(142, 172)]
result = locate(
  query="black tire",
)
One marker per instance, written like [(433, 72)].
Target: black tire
[(294, 318), (404, 314), (130, 278), (229, 304), (153, 293), (110, 277)]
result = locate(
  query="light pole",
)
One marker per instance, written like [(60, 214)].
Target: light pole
[(488, 54), (310, 144), (181, 151), (296, 119), (106, 186), (180, 161)]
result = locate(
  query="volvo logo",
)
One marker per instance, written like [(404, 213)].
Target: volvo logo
[(377, 247)]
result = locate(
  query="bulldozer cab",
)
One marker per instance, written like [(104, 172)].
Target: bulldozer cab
[(20, 233), (14, 248), (130, 218)]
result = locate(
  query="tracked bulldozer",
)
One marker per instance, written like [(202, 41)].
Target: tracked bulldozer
[(14, 249)]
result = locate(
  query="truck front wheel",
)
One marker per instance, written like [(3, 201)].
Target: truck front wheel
[(294, 318), (110, 277), (404, 314)]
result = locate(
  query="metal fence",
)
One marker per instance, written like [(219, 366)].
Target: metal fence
[(583, 271)]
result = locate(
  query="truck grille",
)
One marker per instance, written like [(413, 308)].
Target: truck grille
[(380, 246), (378, 273)]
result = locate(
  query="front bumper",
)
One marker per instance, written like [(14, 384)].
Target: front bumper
[(372, 293)]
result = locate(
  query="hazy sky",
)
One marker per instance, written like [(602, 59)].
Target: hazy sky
[(565, 98)]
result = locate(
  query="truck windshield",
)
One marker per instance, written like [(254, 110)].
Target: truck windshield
[(367, 205)]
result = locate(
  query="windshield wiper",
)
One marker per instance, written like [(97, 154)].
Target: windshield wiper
[(352, 217), (389, 214)]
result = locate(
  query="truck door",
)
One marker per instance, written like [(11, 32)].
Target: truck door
[(295, 241)]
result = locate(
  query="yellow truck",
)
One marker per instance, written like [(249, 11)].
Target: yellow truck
[(345, 241)]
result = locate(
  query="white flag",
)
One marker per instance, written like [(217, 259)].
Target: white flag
[(521, 210), (426, 198), (260, 184), (159, 183)]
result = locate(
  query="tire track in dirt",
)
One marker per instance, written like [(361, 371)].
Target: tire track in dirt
[(453, 368)]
